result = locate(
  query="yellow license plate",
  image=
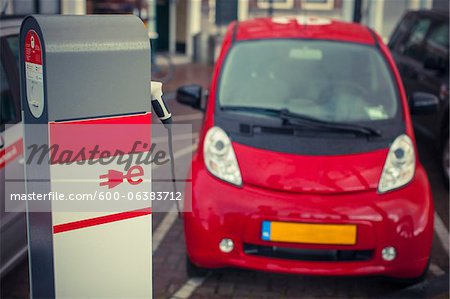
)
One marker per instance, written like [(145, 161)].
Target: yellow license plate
[(337, 234)]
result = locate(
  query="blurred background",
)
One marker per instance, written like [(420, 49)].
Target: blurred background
[(193, 28)]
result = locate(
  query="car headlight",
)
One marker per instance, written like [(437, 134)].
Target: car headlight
[(219, 156), (399, 166)]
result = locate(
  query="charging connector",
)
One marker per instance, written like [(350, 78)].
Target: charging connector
[(159, 105), (163, 112)]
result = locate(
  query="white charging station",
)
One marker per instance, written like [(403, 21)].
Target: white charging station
[(77, 74)]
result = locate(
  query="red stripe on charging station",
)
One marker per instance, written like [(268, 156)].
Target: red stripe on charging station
[(60, 228), (104, 132), (10, 153)]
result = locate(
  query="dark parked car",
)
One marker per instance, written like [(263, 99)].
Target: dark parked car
[(420, 45), (13, 238)]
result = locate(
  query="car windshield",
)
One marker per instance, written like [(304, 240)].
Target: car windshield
[(325, 80)]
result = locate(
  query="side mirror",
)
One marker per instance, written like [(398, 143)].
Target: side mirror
[(190, 95), (423, 103)]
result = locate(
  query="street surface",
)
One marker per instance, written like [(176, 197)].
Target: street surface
[(170, 280)]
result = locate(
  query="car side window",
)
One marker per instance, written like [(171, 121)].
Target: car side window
[(7, 108), (401, 32), (436, 48), (13, 44), (413, 46), (439, 36)]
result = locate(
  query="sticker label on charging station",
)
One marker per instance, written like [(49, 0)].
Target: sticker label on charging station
[(34, 73)]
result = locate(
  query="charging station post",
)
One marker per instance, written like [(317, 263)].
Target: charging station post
[(85, 83)]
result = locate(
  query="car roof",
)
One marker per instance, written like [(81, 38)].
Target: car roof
[(303, 28), (441, 14)]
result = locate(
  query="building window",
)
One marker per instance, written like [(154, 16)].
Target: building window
[(318, 4), (277, 4)]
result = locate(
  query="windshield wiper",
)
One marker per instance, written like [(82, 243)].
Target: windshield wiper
[(296, 119), (260, 110), (303, 120)]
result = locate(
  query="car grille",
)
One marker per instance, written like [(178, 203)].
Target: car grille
[(322, 255)]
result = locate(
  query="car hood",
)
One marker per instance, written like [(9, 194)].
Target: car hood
[(310, 174)]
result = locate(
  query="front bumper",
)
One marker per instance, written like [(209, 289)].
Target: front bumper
[(402, 218)]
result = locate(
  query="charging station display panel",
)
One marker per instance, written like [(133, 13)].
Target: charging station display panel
[(34, 73)]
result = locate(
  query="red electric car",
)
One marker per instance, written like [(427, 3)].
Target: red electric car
[(307, 161)]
